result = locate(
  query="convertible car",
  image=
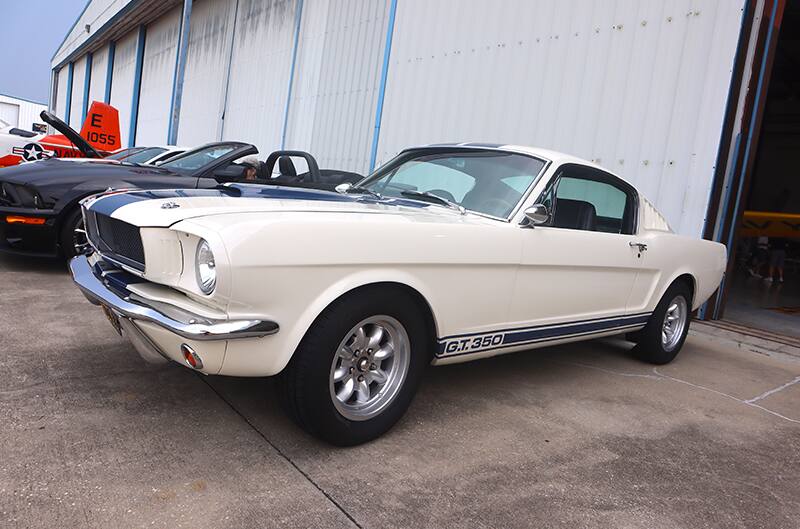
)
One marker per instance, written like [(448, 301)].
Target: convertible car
[(447, 253), (39, 201)]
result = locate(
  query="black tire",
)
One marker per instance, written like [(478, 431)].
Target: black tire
[(649, 344), (304, 385), (66, 239)]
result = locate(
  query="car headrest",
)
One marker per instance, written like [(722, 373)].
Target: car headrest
[(574, 214), (286, 166)]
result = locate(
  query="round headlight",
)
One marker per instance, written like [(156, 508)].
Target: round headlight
[(205, 268)]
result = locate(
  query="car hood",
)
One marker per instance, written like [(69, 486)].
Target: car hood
[(56, 171), (166, 207)]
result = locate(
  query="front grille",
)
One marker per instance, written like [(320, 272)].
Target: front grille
[(117, 238)]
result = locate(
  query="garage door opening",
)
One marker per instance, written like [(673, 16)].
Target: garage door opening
[(762, 286)]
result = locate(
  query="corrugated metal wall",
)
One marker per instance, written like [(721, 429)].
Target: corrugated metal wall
[(339, 57), (206, 71), (260, 62), (97, 86), (26, 113), (78, 79), (637, 86), (60, 107), (158, 69), (122, 81)]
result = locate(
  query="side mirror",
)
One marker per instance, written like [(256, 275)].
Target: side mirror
[(537, 215), (342, 188)]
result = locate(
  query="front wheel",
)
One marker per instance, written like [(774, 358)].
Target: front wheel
[(662, 338), (357, 369), (73, 235)]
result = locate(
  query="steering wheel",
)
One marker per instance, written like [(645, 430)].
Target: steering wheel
[(496, 206)]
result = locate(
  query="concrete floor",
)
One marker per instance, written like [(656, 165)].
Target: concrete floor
[(571, 436), (756, 303)]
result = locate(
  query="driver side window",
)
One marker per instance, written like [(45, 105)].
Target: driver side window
[(586, 199)]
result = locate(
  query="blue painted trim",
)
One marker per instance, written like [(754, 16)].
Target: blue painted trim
[(387, 51), (70, 29), (177, 76), (298, 15), (68, 109), (87, 79), (98, 34), (112, 50), (749, 142), (137, 86), (500, 339)]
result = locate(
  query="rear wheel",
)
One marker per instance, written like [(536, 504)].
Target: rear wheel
[(357, 369), (73, 235), (662, 338)]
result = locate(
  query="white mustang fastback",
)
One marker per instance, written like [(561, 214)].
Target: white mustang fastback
[(445, 254)]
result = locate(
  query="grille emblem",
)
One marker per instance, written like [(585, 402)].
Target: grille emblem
[(170, 205)]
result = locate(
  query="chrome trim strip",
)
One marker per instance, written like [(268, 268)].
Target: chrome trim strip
[(181, 322)]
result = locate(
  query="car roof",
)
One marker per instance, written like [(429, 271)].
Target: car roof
[(538, 152)]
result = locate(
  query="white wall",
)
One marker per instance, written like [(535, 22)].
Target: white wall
[(97, 84), (25, 112), (337, 75), (206, 70), (158, 71), (78, 82), (637, 86), (122, 81), (259, 79)]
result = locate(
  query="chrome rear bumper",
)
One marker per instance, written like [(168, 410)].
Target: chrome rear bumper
[(179, 321)]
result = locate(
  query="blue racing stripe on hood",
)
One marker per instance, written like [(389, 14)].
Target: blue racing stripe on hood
[(108, 205)]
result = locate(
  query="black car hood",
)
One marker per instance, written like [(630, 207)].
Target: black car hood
[(60, 171)]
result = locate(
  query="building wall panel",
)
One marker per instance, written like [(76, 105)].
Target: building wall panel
[(60, 107), (97, 84), (332, 111), (259, 75), (206, 71), (122, 81), (78, 80), (158, 71), (638, 86), (20, 112)]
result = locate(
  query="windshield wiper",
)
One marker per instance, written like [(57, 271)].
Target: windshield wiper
[(430, 197), (364, 191)]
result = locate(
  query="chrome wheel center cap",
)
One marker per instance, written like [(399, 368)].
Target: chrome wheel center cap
[(363, 364)]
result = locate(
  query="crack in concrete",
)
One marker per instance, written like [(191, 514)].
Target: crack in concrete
[(661, 376), (281, 453)]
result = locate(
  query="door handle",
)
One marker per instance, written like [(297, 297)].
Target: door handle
[(642, 246)]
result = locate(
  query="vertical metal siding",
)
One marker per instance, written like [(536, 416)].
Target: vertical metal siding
[(23, 113), (206, 58), (259, 74), (61, 93), (122, 85), (78, 82), (157, 72), (638, 86), (332, 110), (97, 86)]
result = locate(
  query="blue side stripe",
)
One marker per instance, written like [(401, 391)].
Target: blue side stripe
[(500, 339)]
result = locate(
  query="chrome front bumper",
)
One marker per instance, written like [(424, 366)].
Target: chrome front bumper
[(97, 290)]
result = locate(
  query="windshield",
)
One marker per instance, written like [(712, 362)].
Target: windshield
[(196, 159), (137, 155), (121, 155), (487, 182)]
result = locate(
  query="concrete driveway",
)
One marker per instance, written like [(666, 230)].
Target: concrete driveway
[(570, 436)]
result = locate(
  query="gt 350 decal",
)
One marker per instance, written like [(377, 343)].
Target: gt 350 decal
[(475, 343)]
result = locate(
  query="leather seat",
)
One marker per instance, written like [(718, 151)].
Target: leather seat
[(575, 215), (286, 167)]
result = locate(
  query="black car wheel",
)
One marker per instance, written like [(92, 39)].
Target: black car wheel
[(355, 372), (73, 235)]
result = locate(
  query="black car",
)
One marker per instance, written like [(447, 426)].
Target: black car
[(39, 201)]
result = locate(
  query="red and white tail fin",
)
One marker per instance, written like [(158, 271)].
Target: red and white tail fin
[(101, 127)]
